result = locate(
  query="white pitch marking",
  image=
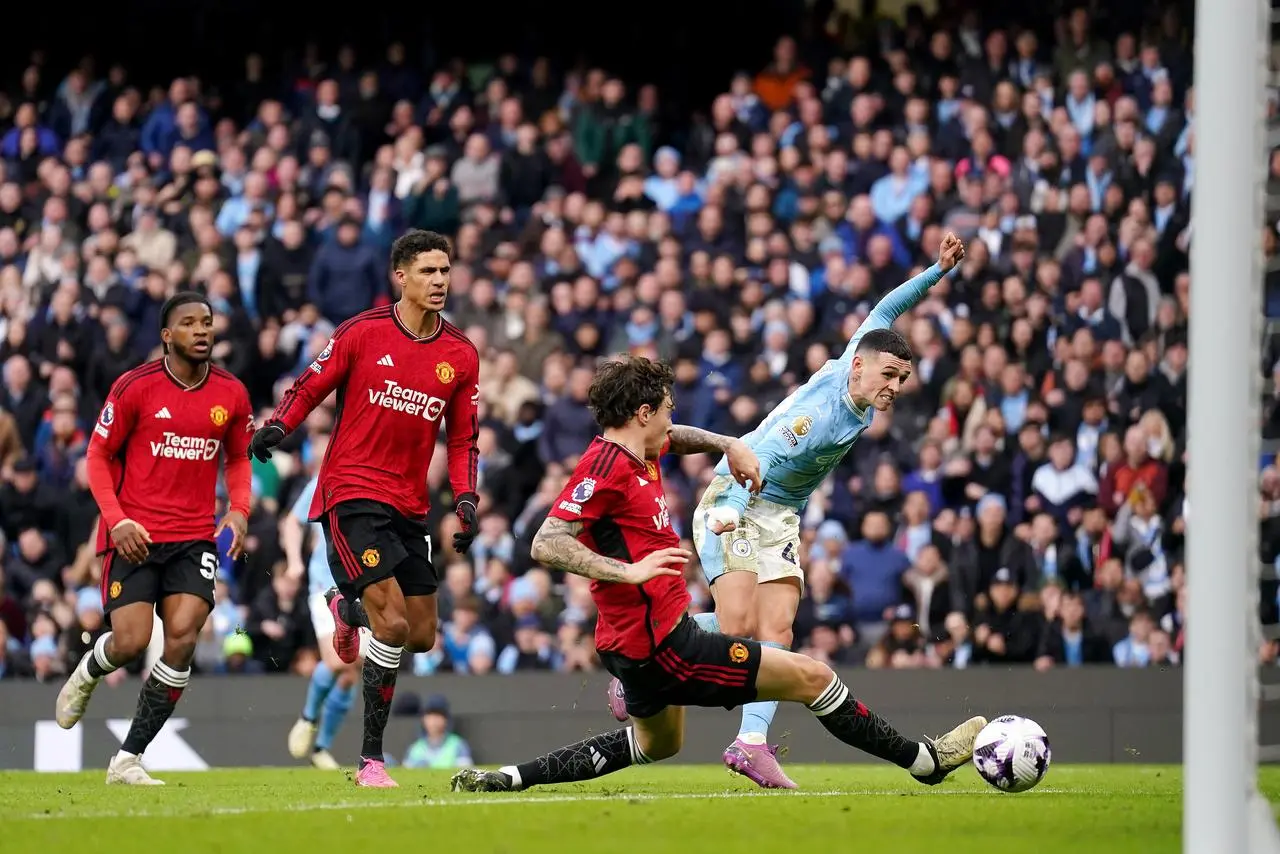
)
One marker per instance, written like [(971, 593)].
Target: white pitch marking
[(498, 800)]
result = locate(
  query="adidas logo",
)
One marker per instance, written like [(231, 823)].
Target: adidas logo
[(163, 413), (643, 482), (386, 362)]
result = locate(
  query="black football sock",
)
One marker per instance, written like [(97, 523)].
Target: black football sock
[(99, 664), (586, 760), (381, 666), (353, 613), (160, 693), (857, 726)]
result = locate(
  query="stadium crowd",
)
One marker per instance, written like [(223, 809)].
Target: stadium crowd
[(1023, 503)]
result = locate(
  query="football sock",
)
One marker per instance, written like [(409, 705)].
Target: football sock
[(380, 671), (857, 726), (353, 613), (756, 717), (322, 681), (98, 664), (336, 706), (707, 621), (160, 693), (586, 760)]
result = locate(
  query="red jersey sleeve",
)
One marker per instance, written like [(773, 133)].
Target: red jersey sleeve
[(587, 497), (462, 429), (316, 383), (236, 446), (115, 423)]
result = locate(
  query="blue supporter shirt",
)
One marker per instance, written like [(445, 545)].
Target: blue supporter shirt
[(803, 440), (319, 575)]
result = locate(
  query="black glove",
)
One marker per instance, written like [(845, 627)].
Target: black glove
[(465, 507), (264, 439)]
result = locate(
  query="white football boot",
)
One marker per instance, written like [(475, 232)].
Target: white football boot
[(126, 768)]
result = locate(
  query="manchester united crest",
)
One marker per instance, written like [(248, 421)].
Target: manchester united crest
[(738, 652), (219, 415), (651, 468), (445, 372), (114, 592), (370, 558)]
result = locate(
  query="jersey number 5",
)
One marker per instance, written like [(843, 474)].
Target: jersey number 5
[(208, 566)]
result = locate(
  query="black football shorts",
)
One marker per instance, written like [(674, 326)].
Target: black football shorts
[(370, 542), (169, 568), (691, 667)]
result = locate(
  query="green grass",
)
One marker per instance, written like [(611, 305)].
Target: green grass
[(676, 808)]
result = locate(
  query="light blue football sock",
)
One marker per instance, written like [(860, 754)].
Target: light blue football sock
[(336, 706), (707, 621), (756, 717), (322, 682)]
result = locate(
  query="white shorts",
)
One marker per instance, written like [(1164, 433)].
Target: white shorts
[(322, 621), (766, 541)]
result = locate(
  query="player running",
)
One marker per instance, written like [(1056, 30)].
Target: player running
[(332, 689), (153, 471), (749, 545), (611, 525), (399, 371)]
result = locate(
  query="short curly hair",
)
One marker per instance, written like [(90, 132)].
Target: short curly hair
[(625, 384), (413, 243)]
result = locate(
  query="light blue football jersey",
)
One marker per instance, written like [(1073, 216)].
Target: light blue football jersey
[(807, 435), (319, 575)]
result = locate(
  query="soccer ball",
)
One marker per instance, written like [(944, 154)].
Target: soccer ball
[(1012, 753)]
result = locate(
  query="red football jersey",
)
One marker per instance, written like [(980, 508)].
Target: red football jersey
[(394, 390), (163, 441), (619, 497)]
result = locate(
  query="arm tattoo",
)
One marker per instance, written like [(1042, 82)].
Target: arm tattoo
[(691, 440), (556, 544)]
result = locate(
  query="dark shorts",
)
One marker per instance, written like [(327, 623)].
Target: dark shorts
[(691, 667), (370, 542), (169, 568)]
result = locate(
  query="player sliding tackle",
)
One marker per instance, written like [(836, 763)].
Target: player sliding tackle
[(749, 545), (611, 525)]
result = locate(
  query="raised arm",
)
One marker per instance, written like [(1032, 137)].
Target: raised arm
[(556, 544), (905, 296)]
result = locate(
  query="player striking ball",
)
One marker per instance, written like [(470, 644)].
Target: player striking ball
[(611, 525), (153, 470), (400, 372), (749, 546)]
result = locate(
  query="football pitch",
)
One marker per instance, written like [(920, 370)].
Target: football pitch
[(676, 808)]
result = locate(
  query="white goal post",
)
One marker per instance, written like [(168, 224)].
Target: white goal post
[(1222, 810)]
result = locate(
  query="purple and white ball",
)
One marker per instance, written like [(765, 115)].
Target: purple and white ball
[(1012, 753)]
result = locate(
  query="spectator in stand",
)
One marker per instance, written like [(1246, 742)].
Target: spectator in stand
[(438, 746), (743, 238)]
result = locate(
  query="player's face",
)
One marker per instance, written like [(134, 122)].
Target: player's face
[(425, 280), (658, 427), (877, 379), (190, 332)]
